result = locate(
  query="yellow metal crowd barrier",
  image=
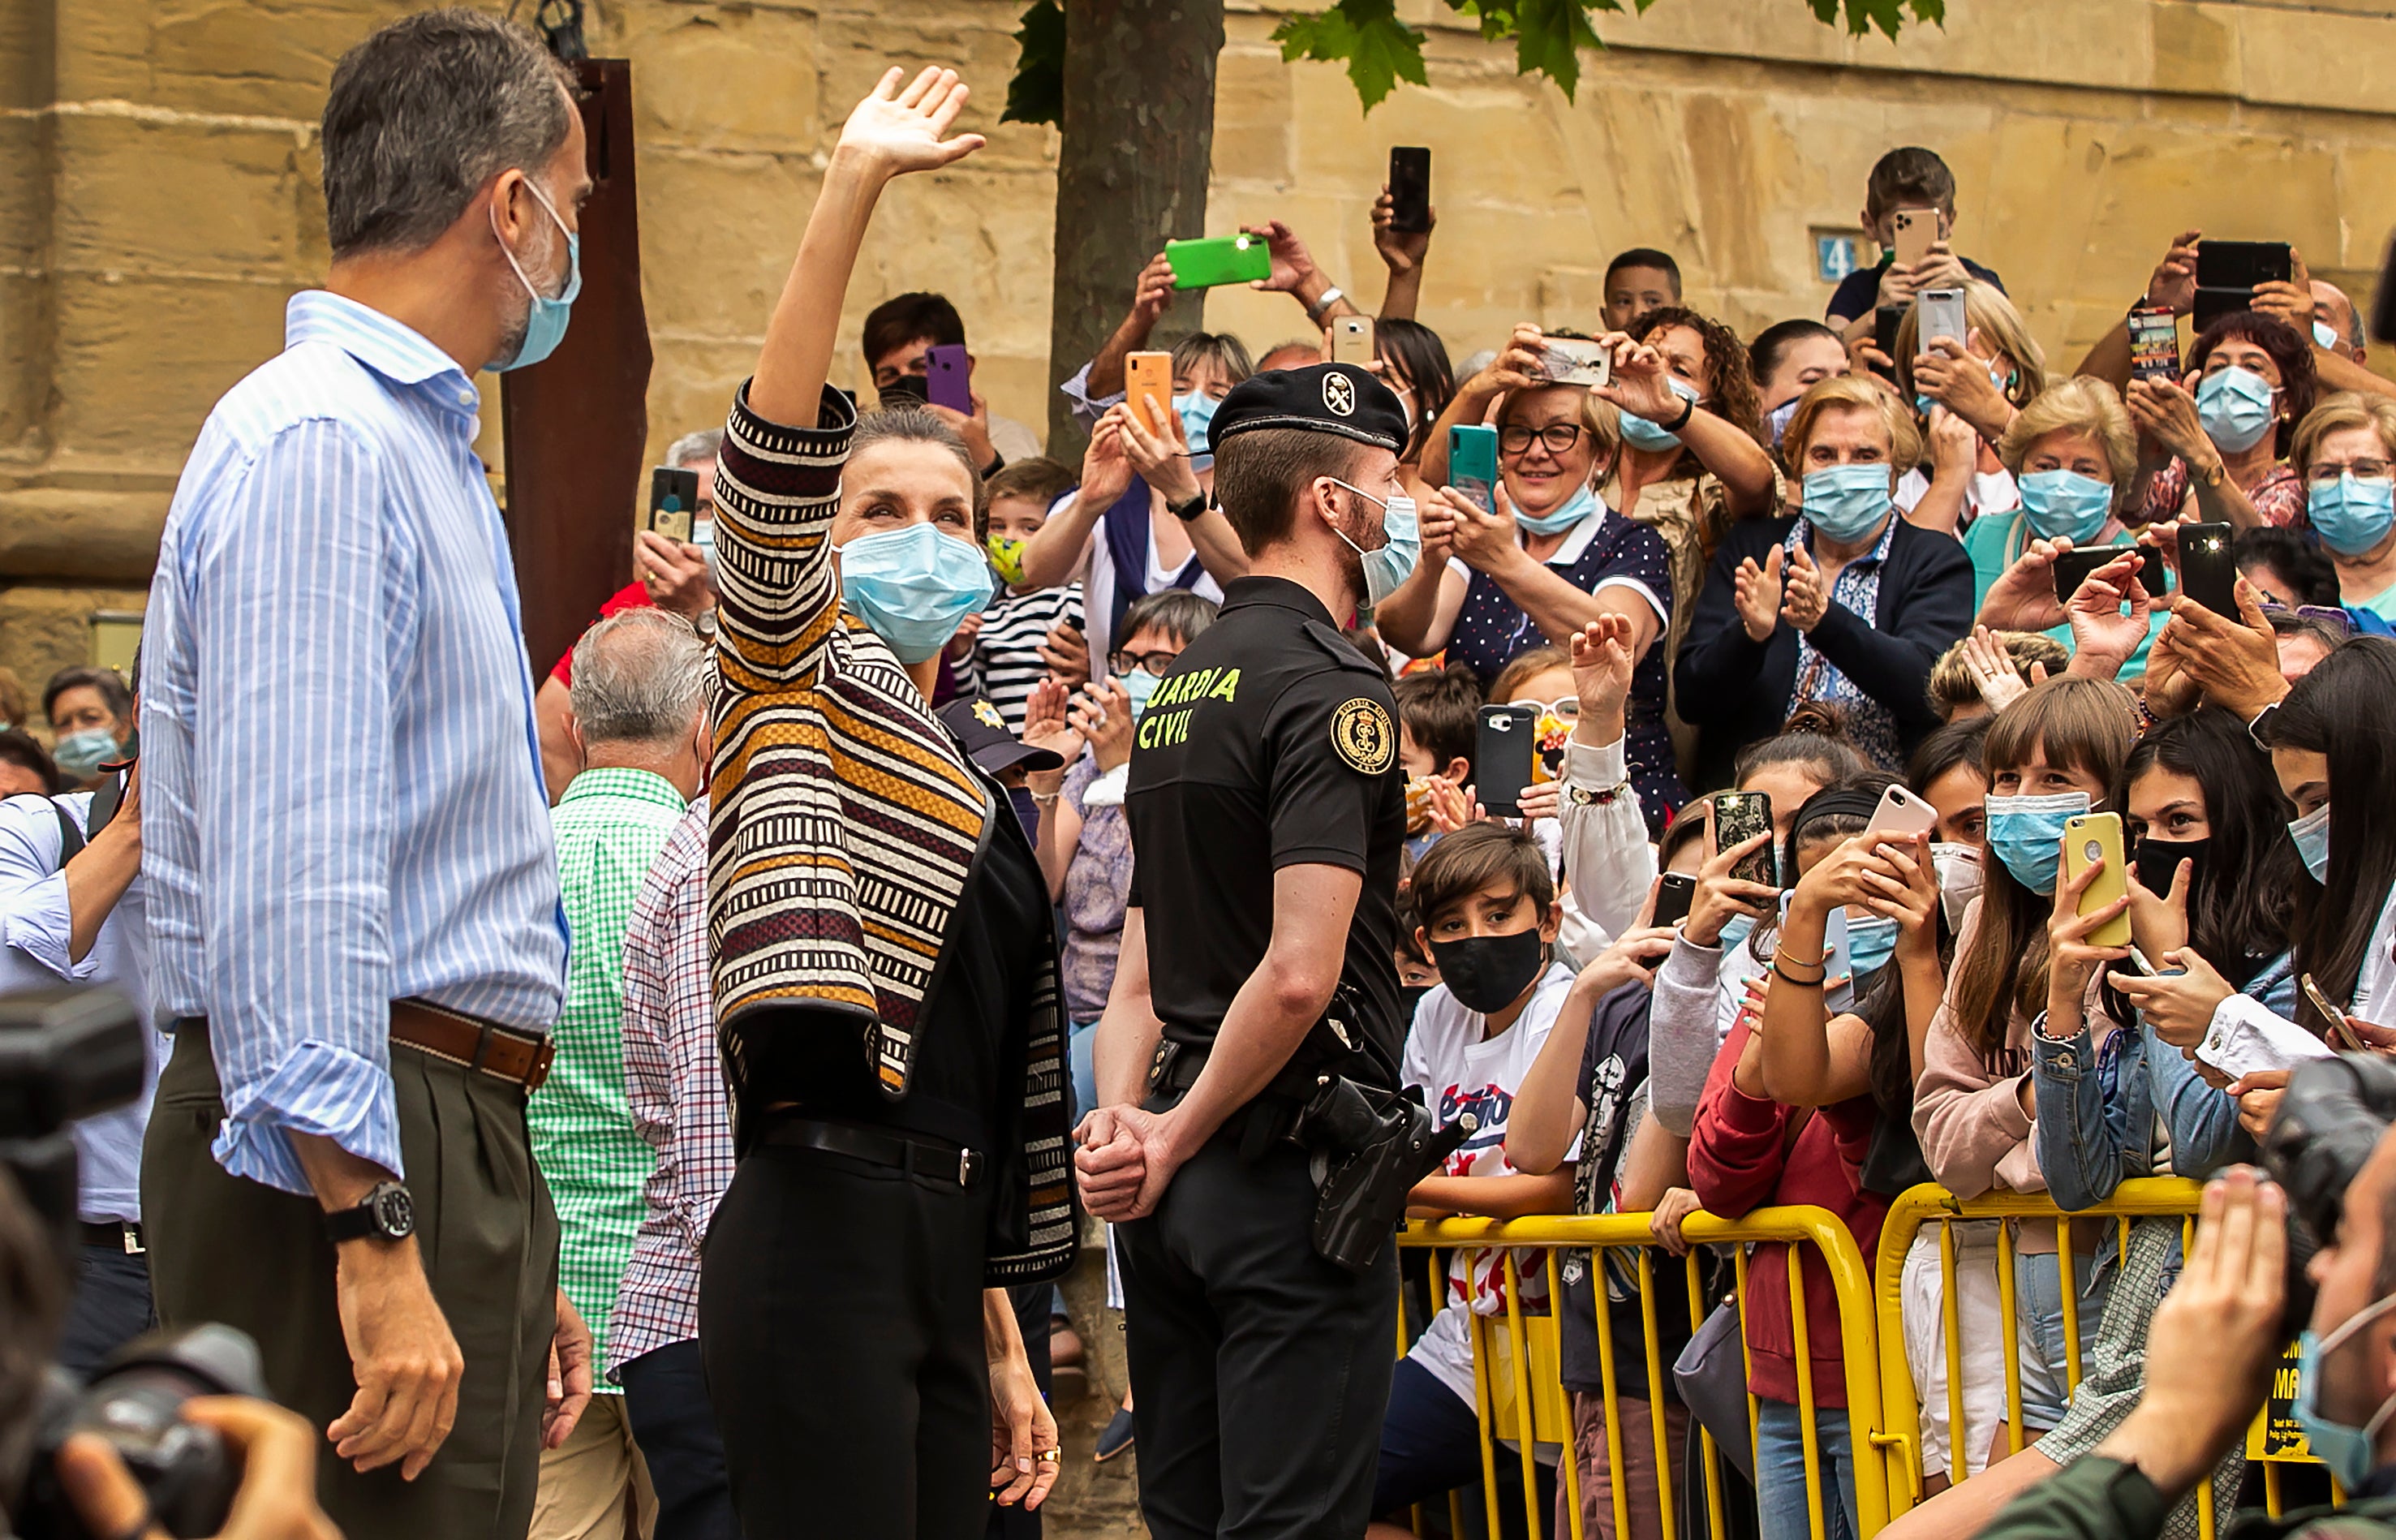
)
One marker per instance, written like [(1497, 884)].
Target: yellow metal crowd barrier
[(1520, 1401)]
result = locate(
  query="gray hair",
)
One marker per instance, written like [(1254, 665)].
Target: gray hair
[(640, 676), (425, 112), (691, 448)]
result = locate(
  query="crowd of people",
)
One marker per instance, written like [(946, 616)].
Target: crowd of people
[(658, 1100)]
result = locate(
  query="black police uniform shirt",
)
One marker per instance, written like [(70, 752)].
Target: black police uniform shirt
[(1271, 743)]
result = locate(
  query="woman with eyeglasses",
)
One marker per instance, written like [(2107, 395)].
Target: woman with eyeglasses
[(1548, 558), (1841, 602), (2346, 448)]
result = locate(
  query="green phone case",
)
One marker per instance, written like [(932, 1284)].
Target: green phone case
[(1473, 463), (1219, 260)]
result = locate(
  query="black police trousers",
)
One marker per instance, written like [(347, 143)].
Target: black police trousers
[(1260, 1372), (840, 1321)]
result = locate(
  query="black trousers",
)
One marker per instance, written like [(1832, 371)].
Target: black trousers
[(665, 1400), (1260, 1372), (840, 1320), (110, 1309), (222, 1248)]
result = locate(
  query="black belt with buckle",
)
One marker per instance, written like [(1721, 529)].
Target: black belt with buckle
[(116, 1234), (946, 1163)]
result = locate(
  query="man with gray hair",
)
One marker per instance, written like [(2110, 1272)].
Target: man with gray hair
[(640, 721), (354, 895), (672, 575)]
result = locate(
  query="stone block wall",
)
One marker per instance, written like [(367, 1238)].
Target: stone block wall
[(159, 192)]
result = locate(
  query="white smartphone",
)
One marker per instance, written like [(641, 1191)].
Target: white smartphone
[(1903, 813), (1942, 316)]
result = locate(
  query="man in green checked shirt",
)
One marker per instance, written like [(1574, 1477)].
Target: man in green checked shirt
[(639, 702)]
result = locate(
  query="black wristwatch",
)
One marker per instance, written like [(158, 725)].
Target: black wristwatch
[(386, 1212), (1688, 410), (1190, 509)]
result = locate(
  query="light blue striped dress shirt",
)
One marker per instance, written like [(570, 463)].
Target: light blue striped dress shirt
[(342, 796)]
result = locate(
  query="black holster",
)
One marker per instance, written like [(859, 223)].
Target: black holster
[(1369, 1150)]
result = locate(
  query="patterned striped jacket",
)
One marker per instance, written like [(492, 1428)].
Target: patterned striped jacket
[(847, 821)]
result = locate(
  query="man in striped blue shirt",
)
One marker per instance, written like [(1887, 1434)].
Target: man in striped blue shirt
[(353, 891)]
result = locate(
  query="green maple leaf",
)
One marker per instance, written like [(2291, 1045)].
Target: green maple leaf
[(1037, 92), (1380, 50), (1549, 36)]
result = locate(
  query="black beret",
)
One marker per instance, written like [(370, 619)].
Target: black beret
[(1324, 398)]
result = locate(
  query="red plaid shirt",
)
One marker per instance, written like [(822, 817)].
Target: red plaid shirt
[(675, 1084)]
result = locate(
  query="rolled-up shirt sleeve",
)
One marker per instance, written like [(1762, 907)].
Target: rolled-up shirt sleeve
[(1086, 408), (297, 603), (35, 916)]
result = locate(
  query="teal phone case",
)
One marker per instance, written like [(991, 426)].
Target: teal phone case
[(1473, 463), (1219, 260)]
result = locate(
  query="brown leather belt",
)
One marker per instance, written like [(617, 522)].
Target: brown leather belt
[(506, 1052), (520, 1057)]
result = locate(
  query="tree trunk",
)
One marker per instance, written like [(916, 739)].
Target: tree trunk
[(1139, 138)]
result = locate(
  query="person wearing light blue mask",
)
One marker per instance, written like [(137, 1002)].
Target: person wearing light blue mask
[(545, 320), (1142, 520), (1844, 603), (2225, 434), (2346, 448)]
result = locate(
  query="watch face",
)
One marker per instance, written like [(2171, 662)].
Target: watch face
[(395, 1211)]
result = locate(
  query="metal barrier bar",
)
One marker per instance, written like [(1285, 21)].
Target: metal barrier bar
[(1796, 1227)]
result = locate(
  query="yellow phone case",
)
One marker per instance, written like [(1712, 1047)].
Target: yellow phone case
[(2085, 840)]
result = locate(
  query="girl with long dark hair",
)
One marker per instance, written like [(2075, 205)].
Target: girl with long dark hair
[(2050, 755)]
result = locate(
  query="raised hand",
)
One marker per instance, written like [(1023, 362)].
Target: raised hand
[(1640, 384), (1602, 666), (2023, 596), (1755, 593), (2103, 635), (1151, 293), (1106, 465), (1292, 263), (1804, 599), (2174, 283), (1103, 718), (896, 131), (1401, 250), (1161, 460)]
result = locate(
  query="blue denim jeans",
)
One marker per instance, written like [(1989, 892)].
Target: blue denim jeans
[(1079, 1045), (1780, 1472), (2039, 1299)]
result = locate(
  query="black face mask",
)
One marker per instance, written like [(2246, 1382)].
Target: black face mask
[(1027, 812), (1488, 973), (1410, 996), (2158, 861)]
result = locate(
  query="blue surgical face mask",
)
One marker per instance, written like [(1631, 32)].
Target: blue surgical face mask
[(2349, 1452), (1389, 566), (1141, 686), (1196, 411), (1777, 418), (545, 325), (2351, 514), (1736, 933), (2065, 505), (2234, 404), (82, 754), (1579, 506), (2324, 335), (702, 535), (2311, 834), (914, 586), (1871, 941), (1847, 502), (2027, 834), (1640, 433)]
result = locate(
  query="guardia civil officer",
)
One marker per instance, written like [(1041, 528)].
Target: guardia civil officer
[(1267, 814)]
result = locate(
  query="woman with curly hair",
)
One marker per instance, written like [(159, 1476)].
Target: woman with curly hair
[(2219, 443)]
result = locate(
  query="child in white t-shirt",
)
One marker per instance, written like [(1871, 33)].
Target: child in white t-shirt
[(1488, 920)]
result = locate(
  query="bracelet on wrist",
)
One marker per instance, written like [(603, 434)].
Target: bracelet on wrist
[(1323, 302), (1688, 410), (1786, 978)]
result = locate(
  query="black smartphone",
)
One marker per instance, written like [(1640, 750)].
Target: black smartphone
[(2073, 568), (2383, 303), (1409, 189), (2227, 273), (2207, 575), (1739, 816), (1501, 762), (1674, 899), (906, 390), (673, 499), (1885, 322)]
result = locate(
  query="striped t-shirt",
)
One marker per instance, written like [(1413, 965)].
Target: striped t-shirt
[(1005, 662)]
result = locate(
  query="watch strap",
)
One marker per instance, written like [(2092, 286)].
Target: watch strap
[(1688, 410), (1189, 509)]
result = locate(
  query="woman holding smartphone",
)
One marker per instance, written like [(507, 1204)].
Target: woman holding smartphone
[(2050, 755)]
